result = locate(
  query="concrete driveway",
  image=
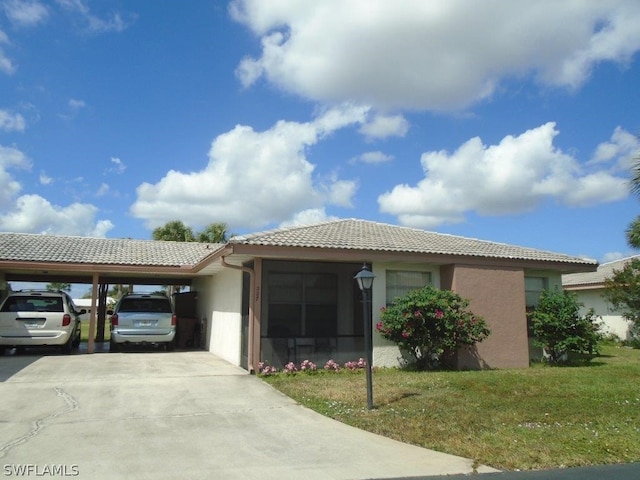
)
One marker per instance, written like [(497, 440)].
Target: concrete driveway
[(181, 415)]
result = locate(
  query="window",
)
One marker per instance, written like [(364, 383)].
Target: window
[(533, 287), (399, 283), (303, 304)]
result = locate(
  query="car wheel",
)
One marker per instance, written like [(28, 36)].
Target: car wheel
[(67, 348), (170, 346), (113, 347), (77, 338), (2, 350)]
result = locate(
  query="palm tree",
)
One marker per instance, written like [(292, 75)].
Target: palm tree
[(633, 231), (174, 231), (214, 233)]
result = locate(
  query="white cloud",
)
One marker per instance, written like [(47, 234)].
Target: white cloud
[(252, 178), (308, 217), (11, 121), (383, 126), (375, 157), (114, 22), (6, 65), (103, 190), (34, 214), (511, 177), (45, 179), (25, 13), (613, 256), (76, 104), (10, 158), (430, 55), (341, 192), (621, 149), (118, 166)]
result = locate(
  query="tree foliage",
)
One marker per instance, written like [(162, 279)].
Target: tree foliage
[(432, 325), (559, 328), (633, 231), (174, 231), (55, 286), (178, 231), (622, 290), (214, 233)]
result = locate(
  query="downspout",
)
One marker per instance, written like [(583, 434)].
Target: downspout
[(252, 287)]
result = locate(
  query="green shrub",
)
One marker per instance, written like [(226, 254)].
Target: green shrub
[(560, 330), (431, 325)]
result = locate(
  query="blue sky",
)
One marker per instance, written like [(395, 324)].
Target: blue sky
[(513, 122)]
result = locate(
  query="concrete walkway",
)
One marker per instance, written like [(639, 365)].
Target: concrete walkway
[(180, 415)]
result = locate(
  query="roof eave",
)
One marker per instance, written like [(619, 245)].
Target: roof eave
[(359, 255)]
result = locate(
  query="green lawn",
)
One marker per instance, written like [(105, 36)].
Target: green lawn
[(541, 417), (85, 331)]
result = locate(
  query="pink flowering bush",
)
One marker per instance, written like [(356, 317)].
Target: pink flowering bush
[(332, 366), (432, 325), (265, 369), (308, 366), (361, 363), (290, 368)]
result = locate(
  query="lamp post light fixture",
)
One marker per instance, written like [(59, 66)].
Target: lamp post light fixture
[(365, 281)]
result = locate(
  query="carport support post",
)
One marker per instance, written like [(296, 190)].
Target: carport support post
[(92, 315)]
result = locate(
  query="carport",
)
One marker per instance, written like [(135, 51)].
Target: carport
[(100, 262)]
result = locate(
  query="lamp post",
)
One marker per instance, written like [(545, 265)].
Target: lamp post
[(365, 281)]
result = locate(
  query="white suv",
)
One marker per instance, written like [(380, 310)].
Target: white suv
[(37, 318), (143, 319)]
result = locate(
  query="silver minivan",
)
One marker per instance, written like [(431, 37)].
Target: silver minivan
[(39, 318), (143, 319)]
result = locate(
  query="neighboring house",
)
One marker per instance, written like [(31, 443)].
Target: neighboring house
[(589, 287), (85, 304), (289, 294)]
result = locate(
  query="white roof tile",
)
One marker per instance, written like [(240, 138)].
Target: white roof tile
[(597, 278), (104, 251), (366, 235)]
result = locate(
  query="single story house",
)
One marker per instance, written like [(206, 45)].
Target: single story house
[(589, 287), (289, 294)]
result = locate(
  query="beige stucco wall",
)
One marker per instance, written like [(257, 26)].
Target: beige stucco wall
[(386, 353), (497, 295), (220, 303)]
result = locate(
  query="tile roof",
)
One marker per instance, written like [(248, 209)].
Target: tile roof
[(595, 278), (366, 235), (106, 251), (350, 234)]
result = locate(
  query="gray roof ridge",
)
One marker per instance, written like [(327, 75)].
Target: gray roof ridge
[(291, 228), (620, 260)]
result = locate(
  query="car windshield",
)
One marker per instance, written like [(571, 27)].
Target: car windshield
[(33, 304), (158, 305)]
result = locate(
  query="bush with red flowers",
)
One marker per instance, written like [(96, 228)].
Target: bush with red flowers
[(431, 325)]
